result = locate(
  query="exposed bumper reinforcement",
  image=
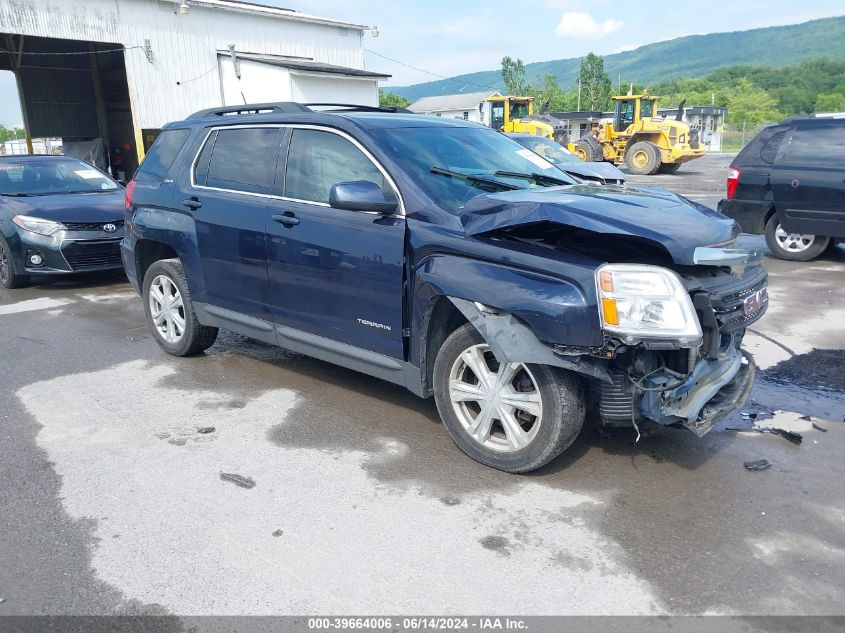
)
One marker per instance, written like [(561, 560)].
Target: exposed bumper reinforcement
[(713, 390)]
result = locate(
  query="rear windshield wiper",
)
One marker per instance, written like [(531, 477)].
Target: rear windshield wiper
[(538, 178), (480, 181)]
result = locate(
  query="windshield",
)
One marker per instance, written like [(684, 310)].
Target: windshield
[(553, 152), (475, 151), (42, 177)]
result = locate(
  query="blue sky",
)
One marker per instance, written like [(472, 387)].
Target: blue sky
[(454, 37)]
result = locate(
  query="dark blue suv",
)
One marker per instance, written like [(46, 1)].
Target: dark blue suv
[(445, 257)]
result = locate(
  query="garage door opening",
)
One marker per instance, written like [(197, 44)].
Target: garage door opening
[(77, 91)]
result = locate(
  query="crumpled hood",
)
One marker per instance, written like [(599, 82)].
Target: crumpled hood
[(679, 225), (605, 171), (71, 207)]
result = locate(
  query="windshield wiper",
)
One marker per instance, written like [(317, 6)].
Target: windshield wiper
[(19, 194), (538, 178), (479, 181)]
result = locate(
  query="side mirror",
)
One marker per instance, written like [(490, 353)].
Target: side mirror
[(361, 195)]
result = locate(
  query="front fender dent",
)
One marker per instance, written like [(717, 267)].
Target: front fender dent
[(512, 342)]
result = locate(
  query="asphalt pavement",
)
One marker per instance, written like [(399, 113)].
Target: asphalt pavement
[(324, 491)]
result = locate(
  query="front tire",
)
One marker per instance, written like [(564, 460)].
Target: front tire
[(514, 417), (643, 158), (796, 247), (8, 277), (668, 168), (170, 313)]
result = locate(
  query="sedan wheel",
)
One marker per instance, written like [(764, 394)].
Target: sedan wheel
[(8, 277), (167, 309), (498, 404)]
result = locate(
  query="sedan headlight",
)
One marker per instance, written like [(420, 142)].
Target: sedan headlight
[(38, 225), (638, 301)]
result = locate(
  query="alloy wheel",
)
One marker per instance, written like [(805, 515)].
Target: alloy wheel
[(498, 404), (793, 242), (167, 309)]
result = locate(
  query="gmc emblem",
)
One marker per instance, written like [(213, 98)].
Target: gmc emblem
[(755, 302)]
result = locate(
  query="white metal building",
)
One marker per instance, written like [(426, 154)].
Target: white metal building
[(119, 69), (470, 106)]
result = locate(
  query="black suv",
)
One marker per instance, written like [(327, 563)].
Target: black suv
[(447, 258), (789, 184)]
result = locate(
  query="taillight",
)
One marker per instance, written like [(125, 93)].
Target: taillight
[(733, 181), (127, 195)]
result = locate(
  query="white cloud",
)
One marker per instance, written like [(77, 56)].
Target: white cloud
[(582, 25)]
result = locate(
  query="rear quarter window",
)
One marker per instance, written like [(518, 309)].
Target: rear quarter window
[(770, 149), (162, 154)]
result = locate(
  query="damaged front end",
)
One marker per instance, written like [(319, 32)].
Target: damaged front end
[(686, 382)]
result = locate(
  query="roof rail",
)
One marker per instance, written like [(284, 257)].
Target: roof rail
[(282, 107), (356, 107)]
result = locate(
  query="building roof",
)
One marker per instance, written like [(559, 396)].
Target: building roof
[(448, 103), (266, 10), (307, 65)]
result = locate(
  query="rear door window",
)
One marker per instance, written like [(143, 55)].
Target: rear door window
[(244, 159), (317, 160), (162, 154)]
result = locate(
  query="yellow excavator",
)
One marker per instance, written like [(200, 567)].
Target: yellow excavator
[(638, 137)]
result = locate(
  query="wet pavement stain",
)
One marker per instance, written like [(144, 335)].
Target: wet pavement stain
[(818, 370), (498, 544)]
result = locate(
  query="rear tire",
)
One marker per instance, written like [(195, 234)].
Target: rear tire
[(535, 412), (170, 312), (643, 158), (796, 247), (8, 277)]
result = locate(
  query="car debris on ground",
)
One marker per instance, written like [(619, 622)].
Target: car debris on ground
[(238, 480), (792, 436), (760, 464)]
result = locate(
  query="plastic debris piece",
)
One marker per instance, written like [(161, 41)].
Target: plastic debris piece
[(760, 464), (206, 429), (819, 428), (278, 533), (792, 436), (238, 480)]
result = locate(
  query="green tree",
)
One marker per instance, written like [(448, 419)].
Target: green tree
[(513, 76), (830, 102), (752, 105), (7, 134), (595, 84), (392, 100)]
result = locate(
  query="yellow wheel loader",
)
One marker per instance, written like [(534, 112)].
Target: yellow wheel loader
[(516, 114), (644, 142)]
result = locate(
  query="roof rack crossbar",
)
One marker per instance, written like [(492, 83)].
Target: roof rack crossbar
[(282, 107), (357, 107)]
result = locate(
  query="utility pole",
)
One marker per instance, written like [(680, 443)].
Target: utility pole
[(579, 95)]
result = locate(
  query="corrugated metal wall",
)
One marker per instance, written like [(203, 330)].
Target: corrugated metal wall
[(183, 76)]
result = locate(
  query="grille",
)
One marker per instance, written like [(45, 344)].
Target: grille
[(92, 255), (730, 307), (91, 226)]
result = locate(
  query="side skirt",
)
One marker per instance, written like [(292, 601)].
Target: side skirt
[(377, 365)]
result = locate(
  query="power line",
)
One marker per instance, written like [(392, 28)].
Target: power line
[(111, 50), (428, 72), (187, 81)]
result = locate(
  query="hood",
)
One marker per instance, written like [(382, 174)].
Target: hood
[(677, 224), (70, 207), (605, 171)]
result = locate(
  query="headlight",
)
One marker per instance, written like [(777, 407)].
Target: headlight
[(37, 225), (639, 301)]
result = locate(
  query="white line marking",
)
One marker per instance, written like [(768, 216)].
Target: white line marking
[(43, 303)]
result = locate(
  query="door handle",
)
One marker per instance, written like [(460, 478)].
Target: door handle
[(192, 203), (288, 219)]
